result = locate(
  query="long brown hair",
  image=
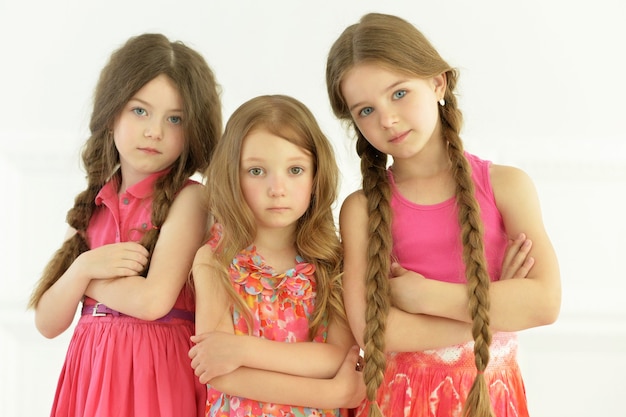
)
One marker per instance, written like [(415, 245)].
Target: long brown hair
[(397, 45), (316, 237), (130, 67)]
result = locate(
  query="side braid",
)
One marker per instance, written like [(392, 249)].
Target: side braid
[(377, 190), (478, 403), (165, 190), (78, 218)]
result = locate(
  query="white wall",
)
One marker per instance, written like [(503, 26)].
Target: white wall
[(541, 88)]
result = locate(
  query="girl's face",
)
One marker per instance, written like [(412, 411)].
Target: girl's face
[(148, 132), (397, 114), (276, 179)]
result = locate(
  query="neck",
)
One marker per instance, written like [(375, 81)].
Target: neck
[(432, 161)]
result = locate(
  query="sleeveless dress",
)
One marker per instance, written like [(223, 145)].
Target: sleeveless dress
[(117, 365), (281, 304), (435, 383)]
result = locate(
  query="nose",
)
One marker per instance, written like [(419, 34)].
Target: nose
[(153, 130), (276, 186), (387, 117)]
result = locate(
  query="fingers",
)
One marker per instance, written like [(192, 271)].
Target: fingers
[(397, 269), (517, 263), (360, 362), (523, 270)]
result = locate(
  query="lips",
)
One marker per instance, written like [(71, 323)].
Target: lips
[(400, 137), (149, 150)]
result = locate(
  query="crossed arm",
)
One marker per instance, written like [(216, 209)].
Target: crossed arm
[(436, 312), (320, 375), (109, 273)]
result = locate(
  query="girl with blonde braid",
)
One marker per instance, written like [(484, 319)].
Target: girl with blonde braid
[(133, 234), (445, 254)]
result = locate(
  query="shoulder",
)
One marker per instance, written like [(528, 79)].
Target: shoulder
[(355, 201), (504, 176), (511, 185), (190, 197), (353, 216)]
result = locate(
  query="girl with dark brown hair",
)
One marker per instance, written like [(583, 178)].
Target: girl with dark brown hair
[(132, 237)]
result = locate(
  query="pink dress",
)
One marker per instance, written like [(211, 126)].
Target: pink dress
[(435, 383), (281, 305), (118, 365)]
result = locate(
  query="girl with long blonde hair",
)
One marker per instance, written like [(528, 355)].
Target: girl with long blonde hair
[(272, 336)]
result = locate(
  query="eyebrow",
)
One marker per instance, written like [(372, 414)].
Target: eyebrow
[(145, 103), (390, 87)]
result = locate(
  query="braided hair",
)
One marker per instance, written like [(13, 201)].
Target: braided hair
[(138, 61), (396, 45)]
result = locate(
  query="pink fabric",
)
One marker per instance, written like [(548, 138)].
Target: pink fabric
[(119, 365), (281, 304), (435, 383), (427, 239)]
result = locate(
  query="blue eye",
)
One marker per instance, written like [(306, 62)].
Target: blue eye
[(256, 171), (176, 120), (399, 94), (366, 111), (139, 111)]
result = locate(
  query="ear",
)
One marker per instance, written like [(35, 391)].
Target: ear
[(439, 83)]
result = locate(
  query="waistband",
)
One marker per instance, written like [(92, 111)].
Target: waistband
[(100, 310)]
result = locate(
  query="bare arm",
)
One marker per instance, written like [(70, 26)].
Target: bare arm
[(153, 297), (404, 331), (343, 388), (56, 308), (516, 304)]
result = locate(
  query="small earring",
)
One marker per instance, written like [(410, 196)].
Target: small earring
[(442, 102)]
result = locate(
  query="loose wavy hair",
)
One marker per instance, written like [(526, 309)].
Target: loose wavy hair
[(316, 237), (398, 46), (138, 61)]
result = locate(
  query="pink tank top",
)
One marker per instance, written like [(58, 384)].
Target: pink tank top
[(427, 238)]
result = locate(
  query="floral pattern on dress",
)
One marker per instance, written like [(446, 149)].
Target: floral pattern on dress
[(281, 305)]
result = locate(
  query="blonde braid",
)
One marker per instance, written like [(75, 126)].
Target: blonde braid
[(378, 192), (478, 403)]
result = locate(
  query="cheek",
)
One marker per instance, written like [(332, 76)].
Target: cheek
[(249, 192)]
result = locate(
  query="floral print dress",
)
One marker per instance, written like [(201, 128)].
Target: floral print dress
[(281, 305)]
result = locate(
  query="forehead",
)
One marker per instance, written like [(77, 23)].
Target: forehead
[(369, 77), (160, 90), (261, 144)]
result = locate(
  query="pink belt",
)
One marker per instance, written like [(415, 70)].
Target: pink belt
[(100, 310)]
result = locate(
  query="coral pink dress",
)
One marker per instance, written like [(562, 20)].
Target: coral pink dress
[(435, 383), (281, 305), (118, 365)]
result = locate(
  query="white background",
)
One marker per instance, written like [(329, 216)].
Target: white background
[(542, 87)]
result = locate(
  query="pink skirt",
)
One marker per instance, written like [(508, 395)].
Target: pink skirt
[(123, 367), (435, 383)]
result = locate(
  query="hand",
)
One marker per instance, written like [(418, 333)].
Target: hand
[(215, 354), (113, 261), (405, 288), (516, 262), (349, 381)]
